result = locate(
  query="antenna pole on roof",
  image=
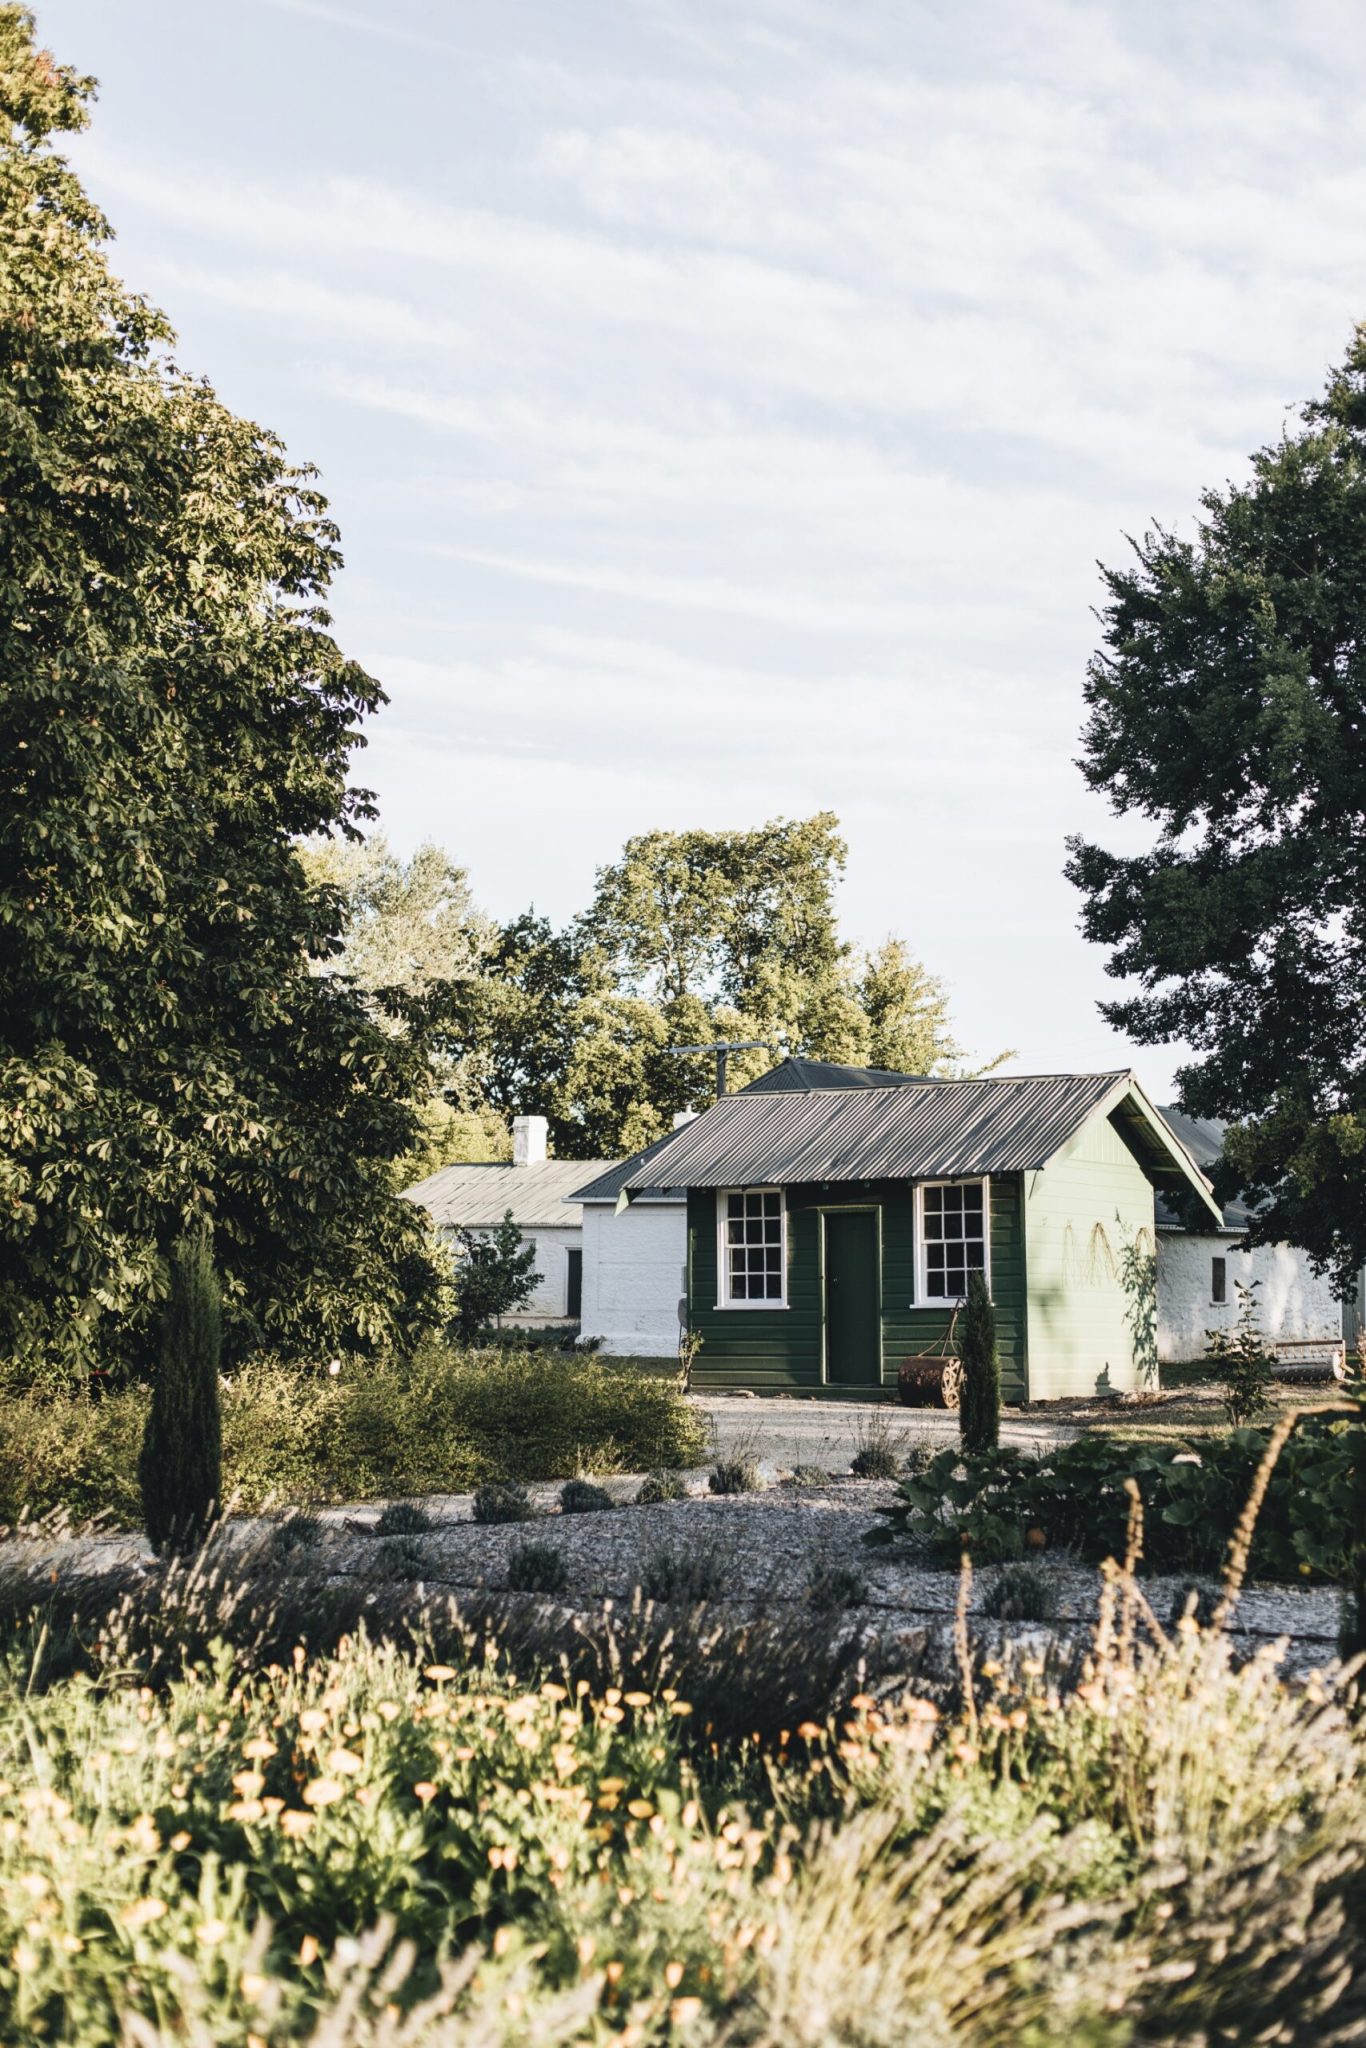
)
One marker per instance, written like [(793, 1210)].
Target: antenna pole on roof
[(723, 1048)]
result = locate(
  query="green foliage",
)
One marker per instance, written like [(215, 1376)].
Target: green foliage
[(441, 1423), (1021, 1592), (176, 714), (658, 1487), (301, 1851), (833, 1587), (501, 1500), (1226, 710), (1243, 1359), (979, 1413), (1003, 1504), (735, 1475), (580, 1497), (495, 1275), (691, 936), (403, 1518), (180, 1469), (877, 1449), (536, 1568), (810, 1475), (684, 1577)]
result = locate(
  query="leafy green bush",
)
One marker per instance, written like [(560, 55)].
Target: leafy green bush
[(657, 1487), (500, 1501), (1021, 1592), (536, 1568), (1005, 1503), (441, 1422), (403, 1518), (832, 1587), (684, 1575), (735, 1475), (1243, 1359), (579, 1497), (877, 1450), (810, 1475)]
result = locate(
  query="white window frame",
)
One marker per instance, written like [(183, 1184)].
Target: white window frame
[(724, 1299), (923, 1297)]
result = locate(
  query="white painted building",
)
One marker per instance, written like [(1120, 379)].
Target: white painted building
[(1198, 1273), (536, 1190), (635, 1264)]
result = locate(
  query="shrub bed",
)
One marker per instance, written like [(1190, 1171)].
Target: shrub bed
[(377, 1849), (1007, 1504), (442, 1422)]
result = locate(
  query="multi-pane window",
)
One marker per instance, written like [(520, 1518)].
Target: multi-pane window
[(752, 1245), (953, 1236)]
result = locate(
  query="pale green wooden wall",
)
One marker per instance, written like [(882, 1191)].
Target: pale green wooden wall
[(1089, 1239)]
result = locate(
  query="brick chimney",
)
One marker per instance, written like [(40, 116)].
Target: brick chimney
[(529, 1135)]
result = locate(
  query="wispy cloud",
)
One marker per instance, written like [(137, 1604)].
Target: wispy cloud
[(730, 402)]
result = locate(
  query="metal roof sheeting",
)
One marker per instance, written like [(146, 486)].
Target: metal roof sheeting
[(899, 1133), (609, 1185), (478, 1197)]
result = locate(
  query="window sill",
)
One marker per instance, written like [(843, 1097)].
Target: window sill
[(742, 1307)]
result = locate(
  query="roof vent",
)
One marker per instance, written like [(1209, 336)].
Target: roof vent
[(529, 1136), (684, 1116)]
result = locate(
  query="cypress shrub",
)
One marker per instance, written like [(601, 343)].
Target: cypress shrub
[(181, 1466), (979, 1412)]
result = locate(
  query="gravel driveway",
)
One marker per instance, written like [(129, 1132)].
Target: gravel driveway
[(786, 1432)]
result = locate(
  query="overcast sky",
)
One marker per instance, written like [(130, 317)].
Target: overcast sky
[(725, 402)]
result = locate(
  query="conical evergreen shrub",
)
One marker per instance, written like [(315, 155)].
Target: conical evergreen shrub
[(979, 1410), (181, 1466)]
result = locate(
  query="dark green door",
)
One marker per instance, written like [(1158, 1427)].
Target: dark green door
[(853, 1311)]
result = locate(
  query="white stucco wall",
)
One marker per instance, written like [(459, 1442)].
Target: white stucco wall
[(549, 1303), (1292, 1301), (634, 1275)]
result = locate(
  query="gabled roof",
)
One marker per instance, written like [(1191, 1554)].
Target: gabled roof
[(478, 1196), (609, 1185), (1203, 1138), (949, 1128)]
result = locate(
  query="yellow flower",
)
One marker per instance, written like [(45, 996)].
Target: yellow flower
[(295, 1823), (683, 2010), (259, 1748), (673, 1975), (312, 1720), (424, 1791), (181, 1840), (142, 1912), (639, 1809), (249, 1783), (211, 1932), (323, 1792), (245, 1810), (438, 1673), (308, 1950), (637, 1699), (345, 1763)]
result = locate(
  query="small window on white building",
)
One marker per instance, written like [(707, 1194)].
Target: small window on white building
[(953, 1236), (1218, 1280), (753, 1248)]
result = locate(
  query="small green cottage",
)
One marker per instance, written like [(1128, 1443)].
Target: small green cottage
[(835, 1213)]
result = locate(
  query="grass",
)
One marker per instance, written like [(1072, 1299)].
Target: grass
[(400, 1843), (442, 1422)]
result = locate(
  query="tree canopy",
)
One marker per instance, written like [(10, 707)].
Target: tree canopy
[(1228, 712), (177, 716)]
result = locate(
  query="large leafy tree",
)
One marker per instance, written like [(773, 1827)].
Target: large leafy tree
[(176, 715), (1228, 712)]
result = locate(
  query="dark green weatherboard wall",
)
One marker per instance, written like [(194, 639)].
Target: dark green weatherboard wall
[(780, 1350)]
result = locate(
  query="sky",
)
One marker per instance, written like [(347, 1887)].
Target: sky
[(726, 403)]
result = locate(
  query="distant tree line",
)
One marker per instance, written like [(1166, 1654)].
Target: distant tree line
[(689, 937)]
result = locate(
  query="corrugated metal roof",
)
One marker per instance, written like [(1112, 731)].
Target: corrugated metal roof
[(941, 1127), (609, 1185), (1203, 1138), (472, 1197), (794, 1075)]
